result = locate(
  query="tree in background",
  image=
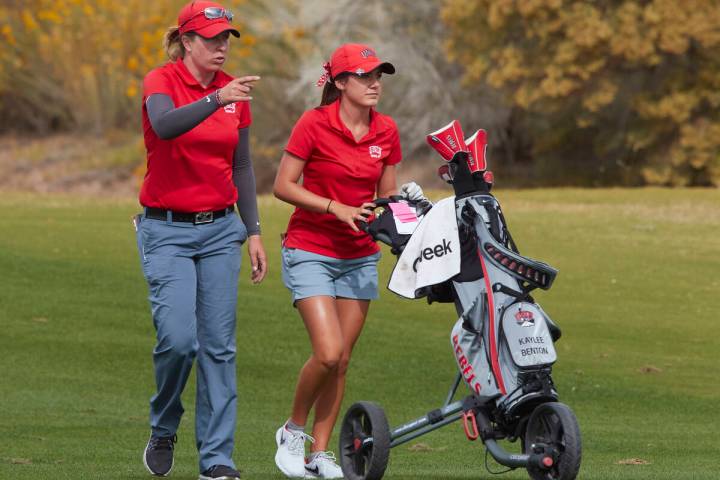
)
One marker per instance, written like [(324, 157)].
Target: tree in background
[(614, 91), (71, 64), (78, 65)]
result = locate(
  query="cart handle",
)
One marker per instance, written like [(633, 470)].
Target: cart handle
[(380, 202)]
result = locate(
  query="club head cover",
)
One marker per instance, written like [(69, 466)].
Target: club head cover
[(477, 146), (448, 140), (488, 178), (445, 173)]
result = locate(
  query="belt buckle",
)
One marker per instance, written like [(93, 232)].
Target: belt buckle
[(203, 217)]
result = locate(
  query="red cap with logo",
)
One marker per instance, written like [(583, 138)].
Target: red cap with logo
[(207, 19), (354, 58)]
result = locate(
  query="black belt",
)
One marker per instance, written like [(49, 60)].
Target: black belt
[(188, 217)]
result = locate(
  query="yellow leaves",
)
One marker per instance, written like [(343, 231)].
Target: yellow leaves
[(50, 16), (498, 13), (693, 159), (631, 40), (603, 95), (536, 8), (243, 52), (566, 53), (248, 40), (586, 26), (700, 144), (300, 33), (132, 90), (133, 63), (95, 54), (585, 71), (29, 21), (476, 68), (556, 87), (525, 96), (507, 67), (292, 34), (677, 107), (672, 26), (640, 72), (7, 34)]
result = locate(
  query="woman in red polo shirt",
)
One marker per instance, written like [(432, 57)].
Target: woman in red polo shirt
[(195, 121), (346, 152)]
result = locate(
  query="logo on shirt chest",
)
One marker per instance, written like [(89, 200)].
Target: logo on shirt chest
[(229, 108), (375, 151)]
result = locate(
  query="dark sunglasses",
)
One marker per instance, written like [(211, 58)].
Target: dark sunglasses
[(213, 13)]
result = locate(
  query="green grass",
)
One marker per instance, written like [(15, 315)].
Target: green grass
[(636, 293)]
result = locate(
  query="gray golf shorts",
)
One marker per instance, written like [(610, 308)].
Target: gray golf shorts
[(308, 274)]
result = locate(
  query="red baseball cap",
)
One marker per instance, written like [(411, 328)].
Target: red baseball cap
[(357, 58), (207, 19)]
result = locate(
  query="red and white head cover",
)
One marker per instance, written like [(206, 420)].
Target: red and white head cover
[(477, 145), (448, 141), (445, 173)]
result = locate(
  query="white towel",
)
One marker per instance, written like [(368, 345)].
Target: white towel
[(432, 255)]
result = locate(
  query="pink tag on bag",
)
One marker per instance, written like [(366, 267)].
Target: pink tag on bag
[(403, 212)]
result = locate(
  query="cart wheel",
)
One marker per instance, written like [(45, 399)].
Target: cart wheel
[(555, 425), (361, 459)]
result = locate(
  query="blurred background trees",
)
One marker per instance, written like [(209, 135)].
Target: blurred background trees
[(612, 92), (571, 92)]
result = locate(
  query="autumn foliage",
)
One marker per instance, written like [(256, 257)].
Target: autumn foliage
[(625, 90), (571, 92), (74, 64)]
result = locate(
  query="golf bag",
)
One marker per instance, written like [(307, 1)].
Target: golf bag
[(503, 340), (460, 251)]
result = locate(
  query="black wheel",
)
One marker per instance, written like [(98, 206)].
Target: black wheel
[(364, 442), (554, 425)]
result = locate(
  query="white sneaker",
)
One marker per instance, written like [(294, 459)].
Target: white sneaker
[(290, 456), (323, 466)]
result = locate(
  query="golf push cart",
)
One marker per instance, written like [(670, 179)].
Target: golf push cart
[(502, 341)]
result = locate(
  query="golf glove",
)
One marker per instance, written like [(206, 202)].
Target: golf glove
[(412, 192)]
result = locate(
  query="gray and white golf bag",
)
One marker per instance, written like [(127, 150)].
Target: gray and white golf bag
[(503, 340)]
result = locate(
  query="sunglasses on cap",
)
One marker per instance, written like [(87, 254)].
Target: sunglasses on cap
[(367, 76), (373, 73), (213, 13)]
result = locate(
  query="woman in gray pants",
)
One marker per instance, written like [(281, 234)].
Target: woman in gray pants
[(195, 122)]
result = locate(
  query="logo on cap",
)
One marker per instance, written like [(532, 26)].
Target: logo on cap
[(375, 151), (368, 53)]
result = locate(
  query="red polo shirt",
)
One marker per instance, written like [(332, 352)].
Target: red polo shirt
[(191, 172), (339, 168)]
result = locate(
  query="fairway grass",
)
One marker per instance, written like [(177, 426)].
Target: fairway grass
[(638, 361)]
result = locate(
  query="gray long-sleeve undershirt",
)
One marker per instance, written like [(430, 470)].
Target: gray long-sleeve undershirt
[(169, 122)]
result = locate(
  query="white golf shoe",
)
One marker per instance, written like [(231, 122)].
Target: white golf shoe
[(323, 465), (290, 456)]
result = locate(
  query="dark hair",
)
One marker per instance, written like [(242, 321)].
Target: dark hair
[(330, 91)]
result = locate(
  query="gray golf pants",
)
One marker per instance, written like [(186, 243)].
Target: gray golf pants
[(192, 274)]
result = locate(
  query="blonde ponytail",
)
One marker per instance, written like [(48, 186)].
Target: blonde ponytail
[(172, 44)]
